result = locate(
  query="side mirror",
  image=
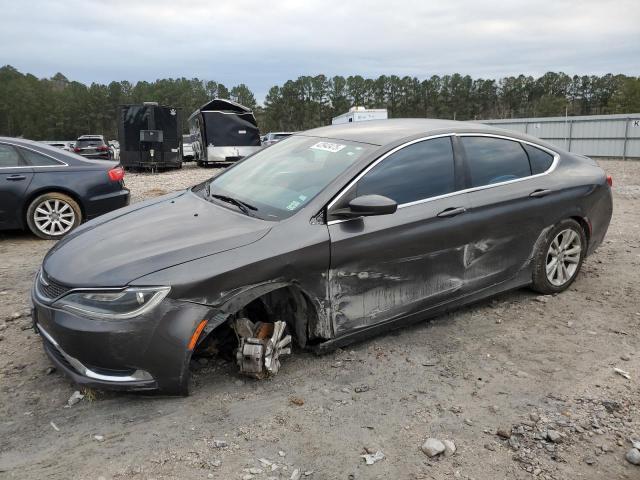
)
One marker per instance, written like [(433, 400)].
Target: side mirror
[(368, 206)]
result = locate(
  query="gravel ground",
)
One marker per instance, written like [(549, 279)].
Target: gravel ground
[(523, 385)]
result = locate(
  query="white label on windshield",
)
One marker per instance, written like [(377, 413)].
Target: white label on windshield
[(328, 147), (293, 205)]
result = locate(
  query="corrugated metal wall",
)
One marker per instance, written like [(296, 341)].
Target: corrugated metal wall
[(594, 135)]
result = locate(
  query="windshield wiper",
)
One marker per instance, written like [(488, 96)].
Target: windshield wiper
[(244, 206)]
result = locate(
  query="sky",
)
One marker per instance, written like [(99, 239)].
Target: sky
[(263, 43)]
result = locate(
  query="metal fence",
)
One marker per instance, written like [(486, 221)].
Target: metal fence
[(613, 136)]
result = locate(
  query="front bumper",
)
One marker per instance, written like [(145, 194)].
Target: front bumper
[(148, 352)]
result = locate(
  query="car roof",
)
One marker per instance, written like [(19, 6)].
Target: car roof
[(383, 132), (90, 137)]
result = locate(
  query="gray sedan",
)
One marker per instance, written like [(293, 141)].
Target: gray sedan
[(325, 238)]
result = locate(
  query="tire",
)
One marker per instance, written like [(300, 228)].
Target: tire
[(64, 211), (563, 239)]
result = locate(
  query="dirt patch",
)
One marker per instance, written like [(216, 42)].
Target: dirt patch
[(539, 371)]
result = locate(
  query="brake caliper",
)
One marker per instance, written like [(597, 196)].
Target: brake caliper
[(261, 345)]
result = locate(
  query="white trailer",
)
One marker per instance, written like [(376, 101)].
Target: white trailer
[(360, 114)]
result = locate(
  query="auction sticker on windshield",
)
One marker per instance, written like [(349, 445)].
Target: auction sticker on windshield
[(328, 147)]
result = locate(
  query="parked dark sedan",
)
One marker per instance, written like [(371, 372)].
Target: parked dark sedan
[(52, 191), (329, 236)]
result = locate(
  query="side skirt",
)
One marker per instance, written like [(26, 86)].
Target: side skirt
[(521, 280)]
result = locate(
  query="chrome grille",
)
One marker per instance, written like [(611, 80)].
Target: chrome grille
[(50, 289)]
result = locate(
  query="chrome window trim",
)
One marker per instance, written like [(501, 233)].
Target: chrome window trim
[(554, 164), (16, 145)]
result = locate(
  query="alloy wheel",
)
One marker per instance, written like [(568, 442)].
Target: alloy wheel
[(563, 257), (54, 217)]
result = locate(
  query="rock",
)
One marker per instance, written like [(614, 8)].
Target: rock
[(216, 463), (220, 444), (633, 456), (361, 388), (50, 370), (490, 446), (504, 432), (534, 417), (3, 326), (494, 409), (74, 398), (514, 443), (98, 438), (589, 460), (296, 401), (626, 358), (1, 338), (554, 436), (432, 447), (295, 475), (468, 421), (255, 471), (542, 298), (14, 316), (370, 458), (449, 448), (281, 453)]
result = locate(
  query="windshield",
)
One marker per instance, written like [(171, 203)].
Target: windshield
[(278, 181)]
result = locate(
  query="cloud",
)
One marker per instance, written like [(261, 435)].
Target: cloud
[(261, 45)]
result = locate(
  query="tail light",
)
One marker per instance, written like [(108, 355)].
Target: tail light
[(610, 180), (116, 174), (77, 149), (103, 148)]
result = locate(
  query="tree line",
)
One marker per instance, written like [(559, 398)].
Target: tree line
[(57, 108)]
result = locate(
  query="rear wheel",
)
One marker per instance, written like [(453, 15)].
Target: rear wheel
[(559, 258), (52, 215)]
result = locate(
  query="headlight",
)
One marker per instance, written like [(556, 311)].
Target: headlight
[(117, 305)]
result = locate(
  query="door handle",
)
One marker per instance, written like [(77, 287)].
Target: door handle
[(452, 212), (539, 193), (15, 178)]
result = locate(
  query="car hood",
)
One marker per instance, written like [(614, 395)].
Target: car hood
[(144, 238)]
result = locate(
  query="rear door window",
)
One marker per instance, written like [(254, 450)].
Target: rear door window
[(539, 160), (416, 172), (494, 160), (37, 159), (9, 157)]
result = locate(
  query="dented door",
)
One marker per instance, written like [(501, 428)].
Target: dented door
[(389, 266)]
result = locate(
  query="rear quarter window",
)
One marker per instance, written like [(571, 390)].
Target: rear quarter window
[(494, 160), (539, 160)]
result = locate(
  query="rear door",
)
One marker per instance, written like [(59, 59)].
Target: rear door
[(510, 200), (386, 267), (15, 177)]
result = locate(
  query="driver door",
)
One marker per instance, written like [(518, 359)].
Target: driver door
[(389, 266)]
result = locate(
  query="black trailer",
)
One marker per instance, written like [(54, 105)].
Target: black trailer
[(150, 136), (223, 131)]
